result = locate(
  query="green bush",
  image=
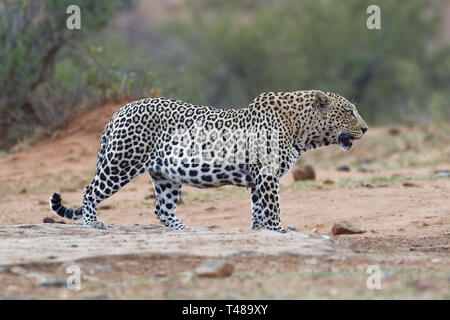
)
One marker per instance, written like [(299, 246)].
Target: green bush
[(32, 35)]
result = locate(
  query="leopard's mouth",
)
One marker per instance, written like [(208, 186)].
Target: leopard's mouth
[(346, 141)]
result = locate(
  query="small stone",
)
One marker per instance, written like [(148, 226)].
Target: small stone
[(48, 220), (412, 248), (409, 184), (343, 168), (394, 131), (315, 230), (214, 269), (366, 161), (443, 174), (105, 207), (362, 169), (292, 228), (328, 181), (346, 228), (51, 220), (304, 173)]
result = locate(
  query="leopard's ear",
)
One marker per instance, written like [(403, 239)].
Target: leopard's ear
[(322, 102)]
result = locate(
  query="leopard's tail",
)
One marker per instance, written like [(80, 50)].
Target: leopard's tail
[(60, 210)]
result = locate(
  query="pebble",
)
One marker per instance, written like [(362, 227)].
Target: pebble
[(343, 168), (304, 173), (443, 174), (214, 269), (346, 228)]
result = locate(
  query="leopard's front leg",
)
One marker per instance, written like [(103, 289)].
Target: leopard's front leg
[(266, 204)]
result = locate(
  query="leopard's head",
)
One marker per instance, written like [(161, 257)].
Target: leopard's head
[(340, 119)]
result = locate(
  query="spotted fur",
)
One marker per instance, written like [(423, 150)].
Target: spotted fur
[(161, 136)]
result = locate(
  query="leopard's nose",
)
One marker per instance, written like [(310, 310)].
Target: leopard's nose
[(364, 130)]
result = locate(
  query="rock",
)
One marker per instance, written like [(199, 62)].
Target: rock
[(51, 220), (366, 161), (214, 269), (304, 173), (443, 174), (48, 220), (394, 131), (292, 228), (346, 228), (328, 181), (105, 207), (409, 184), (343, 168)]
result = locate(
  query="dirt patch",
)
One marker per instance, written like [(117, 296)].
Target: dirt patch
[(36, 243)]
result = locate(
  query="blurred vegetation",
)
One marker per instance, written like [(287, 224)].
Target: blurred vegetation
[(398, 73), (47, 71), (32, 35), (226, 53)]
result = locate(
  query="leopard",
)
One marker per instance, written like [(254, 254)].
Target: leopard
[(178, 143)]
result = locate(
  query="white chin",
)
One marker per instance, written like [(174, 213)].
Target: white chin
[(345, 147)]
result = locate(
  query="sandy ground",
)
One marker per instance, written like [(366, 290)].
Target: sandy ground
[(396, 197)]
